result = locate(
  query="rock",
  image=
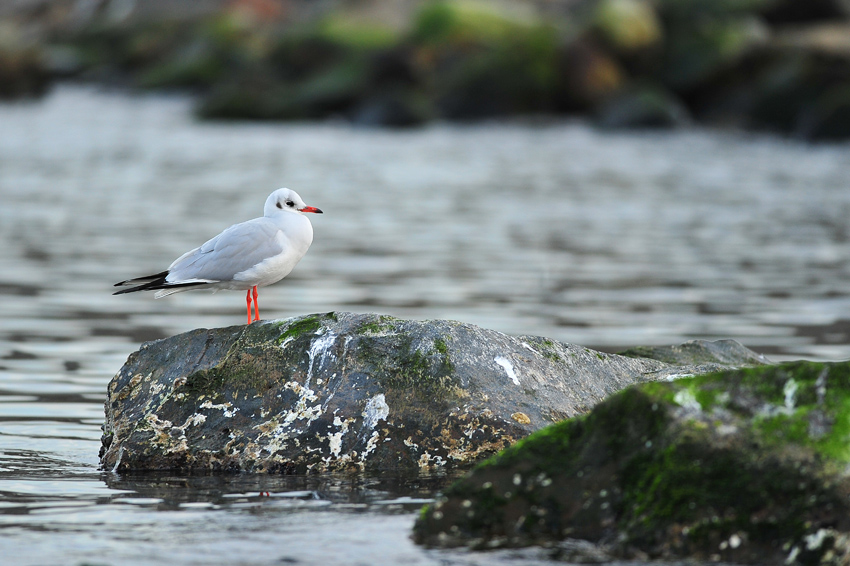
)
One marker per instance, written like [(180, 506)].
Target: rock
[(350, 391), (648, 107), (587, 76), (252, 94), (393, 108), (481, 60), (797, 83), (696, 352), (23, 71), (794, 11), (197, 65), (828, 118), (701, 48), (334, 90), (824, 39), (745, 466), (312, 76), (628, 25), (800, 84), (22, 74)]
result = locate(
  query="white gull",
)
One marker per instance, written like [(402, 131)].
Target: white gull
[(247, 255)]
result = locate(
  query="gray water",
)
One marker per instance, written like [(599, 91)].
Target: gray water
[(607, 240)]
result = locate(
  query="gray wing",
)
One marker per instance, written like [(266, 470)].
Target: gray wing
[(240, 247)]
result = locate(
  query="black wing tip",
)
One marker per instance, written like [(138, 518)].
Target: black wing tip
[(122, 291), (146, 279), (157, 285), (149, 282)]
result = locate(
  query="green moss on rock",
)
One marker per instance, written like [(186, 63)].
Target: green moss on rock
[(301, 326), (382, 324), (425, 375), (744, 466)]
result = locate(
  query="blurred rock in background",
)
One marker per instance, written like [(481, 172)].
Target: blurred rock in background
[(778, 65)]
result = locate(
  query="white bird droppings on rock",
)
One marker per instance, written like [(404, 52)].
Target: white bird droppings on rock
[(227, 407), (335, 439), (372, 443), (320, 347), (508, 367), (376, 410)]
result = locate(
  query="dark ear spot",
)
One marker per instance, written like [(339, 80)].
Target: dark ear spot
[(279, 205)]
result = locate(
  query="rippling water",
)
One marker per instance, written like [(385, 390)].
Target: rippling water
[(607, 240)]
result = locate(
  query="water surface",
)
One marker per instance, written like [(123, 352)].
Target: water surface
[(603, 239)]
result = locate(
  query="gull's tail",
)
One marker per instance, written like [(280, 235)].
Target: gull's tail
[(155, 282)]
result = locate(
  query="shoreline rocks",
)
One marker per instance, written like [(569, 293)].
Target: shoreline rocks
[(770, 66), (344, 391)]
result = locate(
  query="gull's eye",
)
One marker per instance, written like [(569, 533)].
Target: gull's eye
[(290, 203), (279, 205)]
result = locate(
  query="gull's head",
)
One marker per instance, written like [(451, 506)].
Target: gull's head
[(286, 200)]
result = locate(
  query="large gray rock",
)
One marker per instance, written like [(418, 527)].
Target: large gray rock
[(357, 391)]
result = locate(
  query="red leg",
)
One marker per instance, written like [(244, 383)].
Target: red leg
[(249, 306), (256, 305)]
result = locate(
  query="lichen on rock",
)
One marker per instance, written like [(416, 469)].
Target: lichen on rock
[(343, 391)]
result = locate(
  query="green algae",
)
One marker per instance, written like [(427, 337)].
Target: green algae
[(443, 22), (441, 346), (409, 373), (352, 33), (784, 402), (554, 448), (715, 494), (205, 381), (233, 374), (305, 325), (383, 324), (417, 372), (254, 360), (650, 352), (676, 468), (775, 408), (548, 349)]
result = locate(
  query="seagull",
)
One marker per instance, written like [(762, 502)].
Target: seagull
[(247, 255)]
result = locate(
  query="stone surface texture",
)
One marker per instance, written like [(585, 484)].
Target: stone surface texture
[(746, 466), (344, 391)]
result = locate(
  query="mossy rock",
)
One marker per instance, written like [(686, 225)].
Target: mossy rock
[(468, 22), (197, 65), (628, 25), (828, 117), (481, 61), (696, 352), (744, 466), (343, 391), (646, 107), (695, 53), (22, 73)]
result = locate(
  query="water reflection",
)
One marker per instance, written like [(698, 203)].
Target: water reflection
[(204, 519)]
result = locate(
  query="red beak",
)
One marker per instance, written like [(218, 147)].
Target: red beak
[(310, 209)]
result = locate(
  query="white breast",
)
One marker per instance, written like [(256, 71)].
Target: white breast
[(294, 239)]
